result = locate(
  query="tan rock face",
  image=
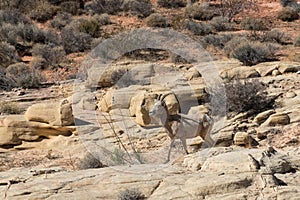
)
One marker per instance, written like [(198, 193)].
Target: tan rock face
[(56, 114), (277, 119), (240, 72), (16, 129), (261, 117)]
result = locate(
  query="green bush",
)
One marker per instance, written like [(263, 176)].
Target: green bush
[(90, 27), (74, 41), (200, 11), (141, 8), (171, 3), (253, 24), (247, 95), (297, 42), (52, 55), (7, 107), (131, 194), (198, 28), (252, 53), (221, 24), (288, 14), (156, 20)]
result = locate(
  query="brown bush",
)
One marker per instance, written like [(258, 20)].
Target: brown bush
[(156, 20), (200, 11), (171, 3), (288, 14), (198, 28), (247, 95)]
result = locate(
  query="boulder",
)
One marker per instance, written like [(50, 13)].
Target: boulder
[(242, 138), (56, 113), (16, 129), (265, 69), (261, 117), (277, 119), (286, 67), (239, 72)]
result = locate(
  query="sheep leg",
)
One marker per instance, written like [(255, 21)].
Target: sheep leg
[(170, 148), (183, 141)]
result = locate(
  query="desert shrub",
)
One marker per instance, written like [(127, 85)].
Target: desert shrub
[(247, 95), (5, 82), (30, 80), (171, 3), (38, 63), (43, 11), (53, 55), (276, 35), (198, 28), (16, 70), (217, 40), (31, 33), (7, 107), (71, 7), (13, 17), (52, 37), (89, 161), (7, 54), (233, 44), (297, 42), (90, 27), (141, 8), (156, 20), (230, 8), (253, 24), (61, 20), (74, 41), (252, 53), (290, 3), (104, 6), (131, 194), (221, 24), (287, 2), (288, 14), (102, 19), (200, 11)]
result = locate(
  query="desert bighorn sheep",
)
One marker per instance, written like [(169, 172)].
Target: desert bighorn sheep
[(181, 126)]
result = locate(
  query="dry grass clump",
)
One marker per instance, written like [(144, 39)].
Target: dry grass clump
[(89, 161), (74, 41), (221, 24), (140, 8), (131, 194)]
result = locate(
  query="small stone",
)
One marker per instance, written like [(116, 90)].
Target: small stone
[(275, 72), (290, 95)]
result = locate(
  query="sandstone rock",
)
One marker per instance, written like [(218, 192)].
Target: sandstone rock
[(265, 69), (261, 117), (56, 114), (275, 72), (277, 119), (289, 67), (290, 94), (17, 129), (240, 72), (242, 138)]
